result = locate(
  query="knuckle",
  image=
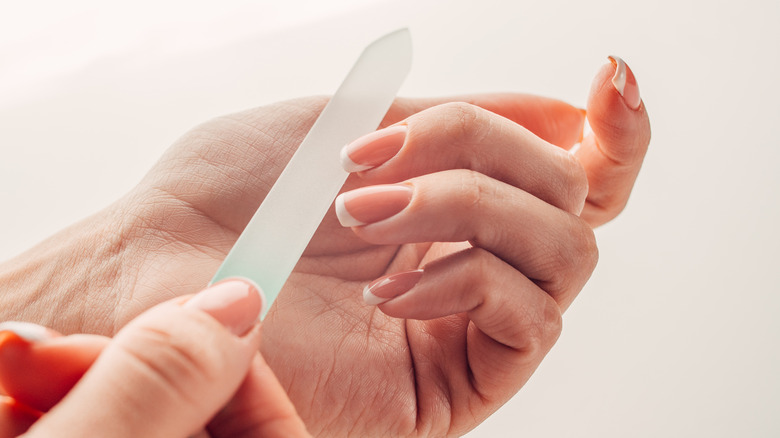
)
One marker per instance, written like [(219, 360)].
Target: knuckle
[(583, 253), (463, 121), (475, 193), (530, 325), (542, 329), (574, 259), (588, 251), (481, 263), (575, 190), (550, 323), (471, 188)]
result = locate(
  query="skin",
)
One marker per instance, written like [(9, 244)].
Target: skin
[(509, 211), (165, 374)]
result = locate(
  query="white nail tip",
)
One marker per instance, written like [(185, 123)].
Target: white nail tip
[(26, 330), (371, 299), (349, 165), (346, 219), (619, 79)]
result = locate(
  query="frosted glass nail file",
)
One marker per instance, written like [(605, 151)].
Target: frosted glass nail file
[(271, 244)]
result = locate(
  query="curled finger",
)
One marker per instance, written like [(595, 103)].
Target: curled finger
[(39, 366), (552, 247), (515, 322)]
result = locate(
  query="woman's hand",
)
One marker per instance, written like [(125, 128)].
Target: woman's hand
[(491, 171), (188, 366)]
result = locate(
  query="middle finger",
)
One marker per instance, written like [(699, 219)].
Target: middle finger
[(551, 246)]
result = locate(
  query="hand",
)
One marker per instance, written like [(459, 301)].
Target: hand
[(480, 319), (185, 363)]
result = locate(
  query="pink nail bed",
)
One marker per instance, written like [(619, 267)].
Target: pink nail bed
[(372, 204), (235, 303), (386, 288), (625, 83), (373, 149)]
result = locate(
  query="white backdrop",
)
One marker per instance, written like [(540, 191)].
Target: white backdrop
[(675, 335)]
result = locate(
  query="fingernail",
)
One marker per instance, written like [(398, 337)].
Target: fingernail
[(625, 83), (28, 331), (372, 204), (391, 286), (373, 149), (235, 303)]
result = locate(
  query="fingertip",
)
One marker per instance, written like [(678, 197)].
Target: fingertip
[(391, 286), (625, 83), (27, 331), (343, 215), (235, 302), (40, 373), (369, 299), (616, 113), (615, 84), (348, 164), (616, 80)]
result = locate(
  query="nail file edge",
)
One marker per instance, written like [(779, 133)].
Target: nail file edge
[(274, 239)]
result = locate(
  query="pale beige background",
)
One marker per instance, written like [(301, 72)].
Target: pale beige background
[(677, 333)]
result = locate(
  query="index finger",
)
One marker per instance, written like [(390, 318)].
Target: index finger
[(552, 120)]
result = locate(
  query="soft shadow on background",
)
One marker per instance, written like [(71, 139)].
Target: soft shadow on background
[(675, 335)]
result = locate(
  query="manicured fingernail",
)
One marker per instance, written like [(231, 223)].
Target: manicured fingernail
[(391, 286), (625, 83), (373, 149), (235, 303), (372, 204), (28, 331)]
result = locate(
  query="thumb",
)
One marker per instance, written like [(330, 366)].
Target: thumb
[(168, 371), (612, 155)]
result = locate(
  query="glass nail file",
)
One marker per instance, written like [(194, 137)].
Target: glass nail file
[(274, 240)]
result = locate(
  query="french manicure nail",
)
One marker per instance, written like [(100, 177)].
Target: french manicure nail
[(386, 288), (27, 330), (373, 149), (235, 303), (372, 204), (625, 82)]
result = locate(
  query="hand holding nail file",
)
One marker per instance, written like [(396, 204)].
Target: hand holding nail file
[(271, 244)]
